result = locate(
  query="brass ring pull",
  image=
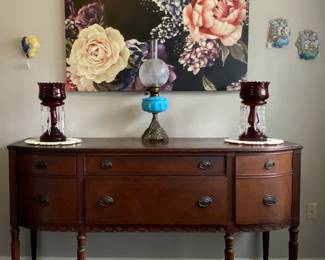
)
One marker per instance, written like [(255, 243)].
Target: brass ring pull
[(105, 201), (205, 165), (204, 202), (105, 165), (43, 200), (269, 200), (269, 164), (41, 165)]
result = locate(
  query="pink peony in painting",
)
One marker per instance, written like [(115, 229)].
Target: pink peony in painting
[(204, 43)]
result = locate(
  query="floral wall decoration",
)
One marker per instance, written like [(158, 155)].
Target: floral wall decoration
[(308, 45), (279, 33), (204, 43)]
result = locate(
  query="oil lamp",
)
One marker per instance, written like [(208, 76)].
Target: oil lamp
[(153, 74), (253, 111), (52, 96)]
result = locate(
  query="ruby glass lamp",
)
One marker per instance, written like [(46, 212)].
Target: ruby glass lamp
[(52, 96), (253, 111)]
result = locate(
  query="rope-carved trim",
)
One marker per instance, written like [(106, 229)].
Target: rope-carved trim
[(263, 227), (155, 228)]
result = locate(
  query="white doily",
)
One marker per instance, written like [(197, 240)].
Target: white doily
[(269, 141), (69, 141)]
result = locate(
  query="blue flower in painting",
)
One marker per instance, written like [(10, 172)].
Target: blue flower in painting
[(280, 43), (138, 51)]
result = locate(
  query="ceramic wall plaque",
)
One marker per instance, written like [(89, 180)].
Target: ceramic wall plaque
[(203, 42), (308, 45), (279, 33)]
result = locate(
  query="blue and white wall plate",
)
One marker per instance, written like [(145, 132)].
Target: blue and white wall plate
[(279, 33), (308, 45)]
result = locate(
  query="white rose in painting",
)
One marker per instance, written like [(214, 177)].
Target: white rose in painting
[(99, 54)]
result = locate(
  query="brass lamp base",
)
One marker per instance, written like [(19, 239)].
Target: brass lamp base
[(155, 133)]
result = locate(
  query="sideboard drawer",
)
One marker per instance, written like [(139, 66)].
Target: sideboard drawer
[(45, 163), (47, 200), (263, 201), (264, 164), (155, 165), (156, 200)]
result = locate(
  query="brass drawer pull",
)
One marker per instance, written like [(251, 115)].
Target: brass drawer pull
[(41, 165), (105, 201), (43, 200), (204, 202), (105, 165), (269, 164), (205, 165), (269, 200)]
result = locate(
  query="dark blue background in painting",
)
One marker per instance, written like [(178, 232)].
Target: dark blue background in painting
[(134, 21)]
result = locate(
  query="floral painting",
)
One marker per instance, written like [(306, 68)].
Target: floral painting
[(203, 42)]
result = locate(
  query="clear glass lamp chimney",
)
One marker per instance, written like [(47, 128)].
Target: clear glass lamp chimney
[(154, 72)]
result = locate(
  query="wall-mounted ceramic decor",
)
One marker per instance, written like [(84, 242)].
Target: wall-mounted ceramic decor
[(30, 45), (204, 43), (308, 45), (279, 33)]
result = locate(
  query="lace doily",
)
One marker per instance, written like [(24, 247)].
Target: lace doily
[(69, 141), (270, 141)]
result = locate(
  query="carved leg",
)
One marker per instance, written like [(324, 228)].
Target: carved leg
[(293, 243), (15, 243), (33, 243), (229, 252), (81, 252), (266, 243)]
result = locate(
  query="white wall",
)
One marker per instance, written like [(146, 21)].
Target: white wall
[(296, 112)]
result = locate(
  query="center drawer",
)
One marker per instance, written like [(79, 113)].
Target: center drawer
[(151, 200), (154, 165)]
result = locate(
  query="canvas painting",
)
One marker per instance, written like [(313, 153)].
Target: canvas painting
[(203, 42)]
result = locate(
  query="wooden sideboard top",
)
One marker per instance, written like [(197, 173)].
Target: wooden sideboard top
[(174, 145)]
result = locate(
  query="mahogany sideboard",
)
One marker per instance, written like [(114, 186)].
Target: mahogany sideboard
[(121, 184)]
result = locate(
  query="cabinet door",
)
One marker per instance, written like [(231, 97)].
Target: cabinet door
[(263, 200), (156, 200), (45, 200)]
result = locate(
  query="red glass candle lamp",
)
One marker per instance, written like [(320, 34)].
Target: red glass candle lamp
[(52, 96), (253, 111)]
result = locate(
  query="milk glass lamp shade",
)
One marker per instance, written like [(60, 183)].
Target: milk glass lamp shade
[(154, 72)]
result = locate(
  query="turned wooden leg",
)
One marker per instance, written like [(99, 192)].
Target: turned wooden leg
[(81, 252), (33, 243), (229, 252), (266, 243), (293, 243), (15, 243)]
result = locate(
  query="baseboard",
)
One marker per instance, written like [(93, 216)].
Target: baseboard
[(122, 258)]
